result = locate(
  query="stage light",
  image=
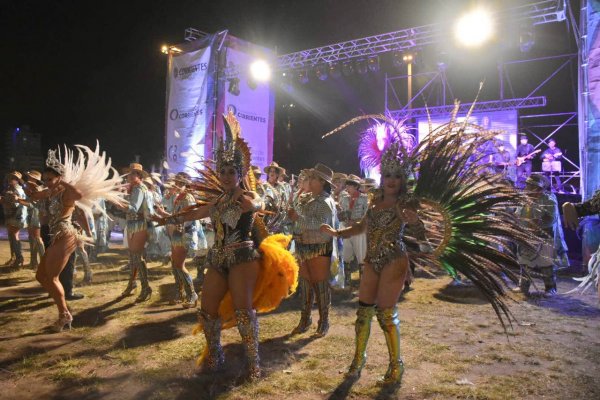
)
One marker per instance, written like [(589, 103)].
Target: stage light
[(303, 76), (260, 71), (334, 70), (164, 49), (474, 28), (347, 69), (373, 63), (321, 72), (408, 58), (361, 66), (397, 59)]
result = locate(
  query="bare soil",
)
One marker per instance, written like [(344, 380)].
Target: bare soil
[(453, 346)]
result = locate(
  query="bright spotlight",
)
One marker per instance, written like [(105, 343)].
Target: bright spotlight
[(474, 28), (260, 70), (164, 49)]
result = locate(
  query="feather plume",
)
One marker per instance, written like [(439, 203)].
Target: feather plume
[(91, 172)]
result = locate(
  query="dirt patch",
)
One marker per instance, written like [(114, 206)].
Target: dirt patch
[(452, 343)]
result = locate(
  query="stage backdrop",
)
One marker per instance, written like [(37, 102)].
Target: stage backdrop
[(253, 103), (189, 106), (207, 79)]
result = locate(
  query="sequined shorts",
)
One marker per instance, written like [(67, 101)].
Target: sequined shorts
[(307, 251), (386, 255), (222, 259), (62, 229)]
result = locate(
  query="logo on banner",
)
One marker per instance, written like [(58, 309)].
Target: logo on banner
[(187, 72), (248, 116), (176, 114)]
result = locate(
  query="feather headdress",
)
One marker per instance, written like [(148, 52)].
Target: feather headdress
[(90, 172), (467, 214), (232, 149)]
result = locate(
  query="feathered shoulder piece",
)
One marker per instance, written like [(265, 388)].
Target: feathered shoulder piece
[(90, 172)]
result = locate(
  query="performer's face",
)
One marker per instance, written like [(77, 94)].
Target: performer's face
[(229, 177), (524, 141), (273, 175), (12, 181), (392, 184), (552, 144), (50, 179), (134, 178), (351, 189), (315, 184)]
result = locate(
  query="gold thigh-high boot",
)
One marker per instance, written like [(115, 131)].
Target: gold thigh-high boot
[(323, 293), (306, 294), (362, 328), (248, 326), (390, 324), (214, 359)]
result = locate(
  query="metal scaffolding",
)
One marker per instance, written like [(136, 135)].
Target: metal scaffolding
[(536, 13)]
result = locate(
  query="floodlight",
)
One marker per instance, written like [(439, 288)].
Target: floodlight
[(474, 28), (260, 71)]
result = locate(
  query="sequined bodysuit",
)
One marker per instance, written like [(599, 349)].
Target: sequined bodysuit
[(59, 217), (233, 239)]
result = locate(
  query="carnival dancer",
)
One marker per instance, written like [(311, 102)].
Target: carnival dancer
[(386, 262), (139, 212), (543, 214), (354, 207), (339, 273), (15, 215), (275, 198), (69, 183), (36, 244), (457, 218), (181, 241), (239, 280), (158, 245), (314, 250), (572, 213)]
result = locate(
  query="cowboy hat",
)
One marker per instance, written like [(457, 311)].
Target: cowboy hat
[(339, 175), (256, 170), (353, 179), (369, 182), (16, 174), (137, 168), (273, 165), (323, 172), (35, 175)]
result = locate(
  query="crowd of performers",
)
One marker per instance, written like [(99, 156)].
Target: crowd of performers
[(257, 241)]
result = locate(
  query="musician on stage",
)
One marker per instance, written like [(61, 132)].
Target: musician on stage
[(525, 153), (550, 155), (500, 159)]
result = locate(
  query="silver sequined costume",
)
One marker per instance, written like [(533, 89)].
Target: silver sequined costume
[(233, 242), (314, 211)]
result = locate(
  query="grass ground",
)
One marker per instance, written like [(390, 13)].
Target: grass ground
[(453, 346)]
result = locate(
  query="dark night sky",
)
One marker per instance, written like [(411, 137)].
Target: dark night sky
[(80, 70)]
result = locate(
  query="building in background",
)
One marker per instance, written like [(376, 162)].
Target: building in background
[(21, 150)]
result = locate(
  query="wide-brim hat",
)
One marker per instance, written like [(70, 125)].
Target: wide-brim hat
[(156, 178), (35, 175), (323, 172), (16, 174), (523, 136), (369, 183), (273, 165), (339, 175), (137, 168), (255, 170), (182, 178), (353, 179), (148, 181), (539, 181)]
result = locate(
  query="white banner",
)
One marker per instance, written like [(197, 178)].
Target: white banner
[(187, 113), (251, 103)]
